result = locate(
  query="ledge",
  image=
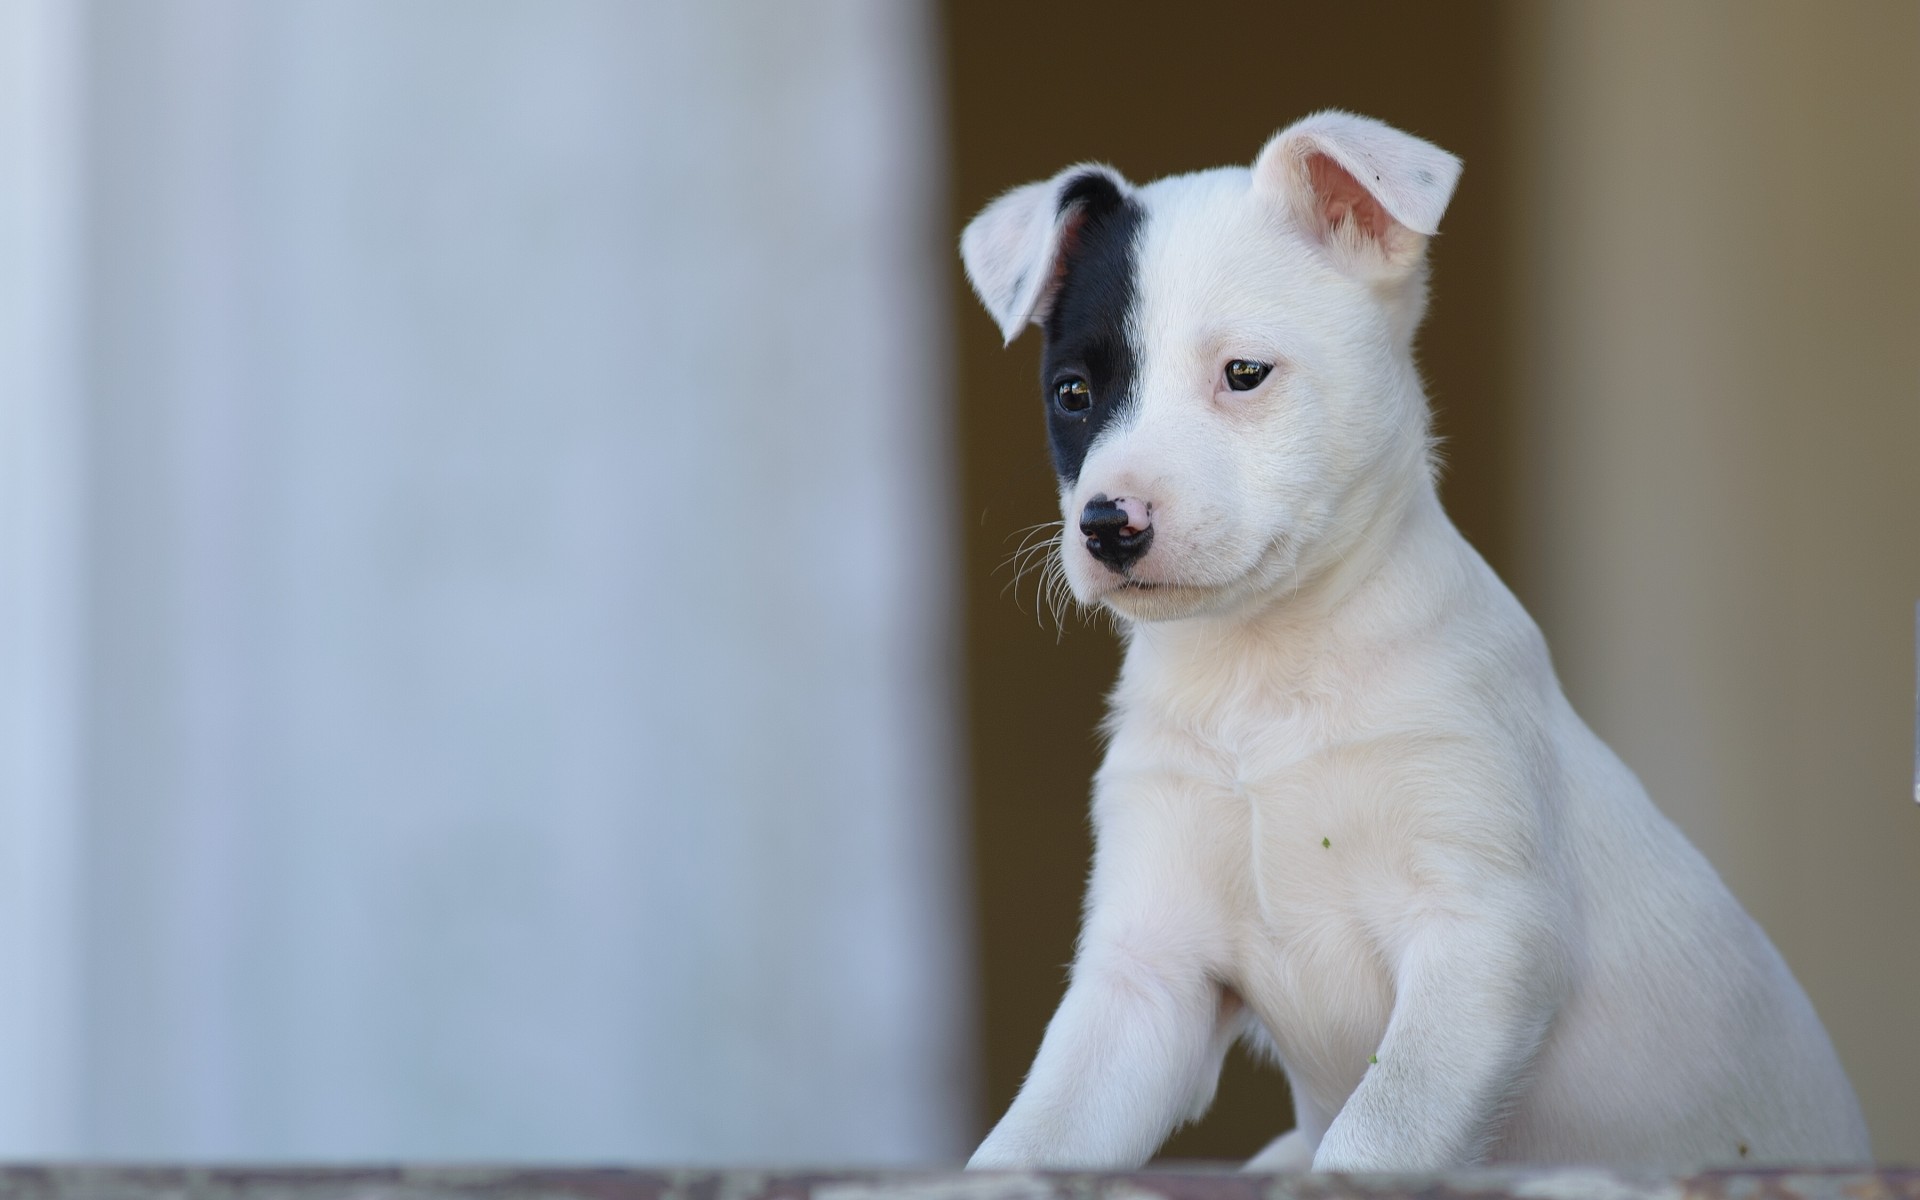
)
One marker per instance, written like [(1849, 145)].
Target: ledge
[(26, 1182)]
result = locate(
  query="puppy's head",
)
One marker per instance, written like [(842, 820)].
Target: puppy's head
[(1227, 369)]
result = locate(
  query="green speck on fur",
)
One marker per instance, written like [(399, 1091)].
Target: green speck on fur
[(1326, 843)]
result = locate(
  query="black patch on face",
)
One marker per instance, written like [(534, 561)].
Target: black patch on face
[(1086, 327)]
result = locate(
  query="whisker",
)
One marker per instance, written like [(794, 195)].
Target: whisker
[(1036, 545), (1061, 594)]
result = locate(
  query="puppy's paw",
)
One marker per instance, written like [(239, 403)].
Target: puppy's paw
[(1291, 1151), (1005, 1150)]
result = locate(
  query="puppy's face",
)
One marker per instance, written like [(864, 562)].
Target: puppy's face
[(1227, 372)]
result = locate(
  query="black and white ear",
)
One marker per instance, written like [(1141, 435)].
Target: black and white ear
[(1015, 250), (1370, 192)]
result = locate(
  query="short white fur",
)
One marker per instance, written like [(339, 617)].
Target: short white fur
[(1346, 810)]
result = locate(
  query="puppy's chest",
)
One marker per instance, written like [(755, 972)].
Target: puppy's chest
[(1277, 815), (1296, 846), (1308, 858)]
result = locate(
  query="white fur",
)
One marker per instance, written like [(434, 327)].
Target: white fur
[(1009, 249), (1346, 810)]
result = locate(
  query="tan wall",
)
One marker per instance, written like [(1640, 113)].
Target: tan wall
[(1673, 349), (1718, 518)]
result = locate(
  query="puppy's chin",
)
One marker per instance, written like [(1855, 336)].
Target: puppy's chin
[(1149, 600), (1158, 601)]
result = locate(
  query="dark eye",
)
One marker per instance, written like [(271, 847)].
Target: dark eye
[(1072, 394), (1244, 376)]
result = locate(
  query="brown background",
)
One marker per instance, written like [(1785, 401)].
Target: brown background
[(1157, 89)]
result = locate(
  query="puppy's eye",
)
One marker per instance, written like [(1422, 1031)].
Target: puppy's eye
[(1244, 376), (1072, 394)]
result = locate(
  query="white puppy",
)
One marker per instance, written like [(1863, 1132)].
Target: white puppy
[(1346, 809)]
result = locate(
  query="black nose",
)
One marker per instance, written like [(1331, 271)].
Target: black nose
[(1105, 523)]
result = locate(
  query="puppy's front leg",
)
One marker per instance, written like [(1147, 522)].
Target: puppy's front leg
[(1474, 998), (1132, 1050), (1136, 1045)]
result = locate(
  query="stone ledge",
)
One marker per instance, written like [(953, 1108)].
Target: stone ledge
[(80, 1182)]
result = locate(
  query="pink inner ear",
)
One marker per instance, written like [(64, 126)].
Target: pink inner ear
[(1341, 198), (1069, 243)]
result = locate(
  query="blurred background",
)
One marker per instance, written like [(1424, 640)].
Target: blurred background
[(506, 650)]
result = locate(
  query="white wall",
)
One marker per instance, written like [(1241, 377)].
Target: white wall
[(1723, 503), (516, 710), (41, 519)]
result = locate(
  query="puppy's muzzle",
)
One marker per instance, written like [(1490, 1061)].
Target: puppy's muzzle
[(1117, 531)]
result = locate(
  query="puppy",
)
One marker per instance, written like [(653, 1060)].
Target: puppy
[(1346, 810)]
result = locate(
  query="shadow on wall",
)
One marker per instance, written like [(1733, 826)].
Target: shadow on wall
[(1155, 90)]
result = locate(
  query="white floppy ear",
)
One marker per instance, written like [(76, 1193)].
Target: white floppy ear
[(1014, 249), (1366, 190)]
